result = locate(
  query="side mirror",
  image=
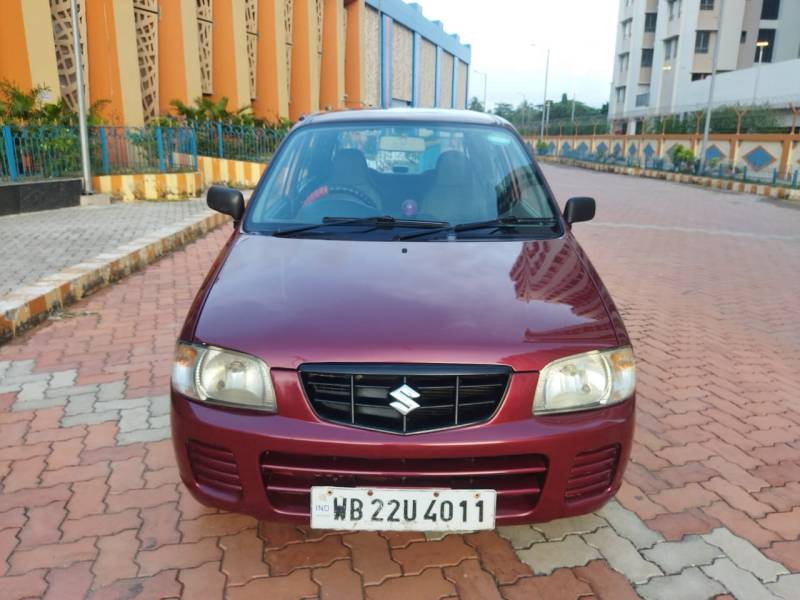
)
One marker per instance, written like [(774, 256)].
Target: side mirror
[(226, 200), (579, 209)]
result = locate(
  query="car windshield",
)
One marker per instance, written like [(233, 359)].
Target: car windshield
[(352, 180)]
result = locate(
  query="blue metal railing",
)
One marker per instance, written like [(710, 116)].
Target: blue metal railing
[(54, 151)]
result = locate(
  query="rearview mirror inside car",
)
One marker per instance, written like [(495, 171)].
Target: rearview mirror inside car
[(580, 208), (226, 200)]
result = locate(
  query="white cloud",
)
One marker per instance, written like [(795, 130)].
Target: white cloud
[(580, 34)]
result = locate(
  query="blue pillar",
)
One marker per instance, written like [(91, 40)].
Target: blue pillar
[(101, 131), (454, 75), (466, 89), (8, 143)]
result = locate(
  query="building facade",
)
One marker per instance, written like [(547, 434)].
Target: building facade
[(281, 58), (664, 53)]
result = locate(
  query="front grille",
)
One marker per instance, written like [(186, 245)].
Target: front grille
[(518, 479), (215, 468), (592, 473), (359, 395)]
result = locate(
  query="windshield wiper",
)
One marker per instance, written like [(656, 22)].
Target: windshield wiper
[(381, 221), (500, 223)]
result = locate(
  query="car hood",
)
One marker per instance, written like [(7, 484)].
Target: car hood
[(294, 301)]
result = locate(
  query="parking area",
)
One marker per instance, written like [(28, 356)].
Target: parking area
[(709, 286)]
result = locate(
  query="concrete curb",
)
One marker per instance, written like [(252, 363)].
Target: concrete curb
[(29, 305), (758, 189)]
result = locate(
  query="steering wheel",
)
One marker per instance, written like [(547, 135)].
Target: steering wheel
[(363, 198)]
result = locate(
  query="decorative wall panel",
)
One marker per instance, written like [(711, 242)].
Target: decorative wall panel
[(319, 13), (427, 74), (446, 80), (62, 38), (145, 14), (402, 63), (251, 24), (372, 57), (288, 9), (204, 43), (461, 85)]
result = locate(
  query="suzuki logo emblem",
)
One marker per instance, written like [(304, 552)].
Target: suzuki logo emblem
[(405, 399)]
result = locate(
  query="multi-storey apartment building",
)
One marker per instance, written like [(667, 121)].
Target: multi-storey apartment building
[(664, 55)]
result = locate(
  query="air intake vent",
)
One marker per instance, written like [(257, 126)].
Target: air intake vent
[(215, 468), (592, 473)]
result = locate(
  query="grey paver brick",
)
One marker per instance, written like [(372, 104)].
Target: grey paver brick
[(159, 405), (628, 525), (520, 536), (122, 404), (63, 392), (111, 391), (159, 422), (622, 555), (745, 555), (32, 391), (741, 583), (80, 403), (133, 418), (63, 378), (561, 528), (143, 435), (23, 379), (18, 367), (674, 557), (90, 418), (787, 587), (546, 557), (690, 584)]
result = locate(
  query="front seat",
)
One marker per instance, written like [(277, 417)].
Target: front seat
[(350, 170), (454, 195)]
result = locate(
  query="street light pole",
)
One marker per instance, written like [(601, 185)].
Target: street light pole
[(760, 45), (485, 88), (544, 102), (713, 81), (84, 134)]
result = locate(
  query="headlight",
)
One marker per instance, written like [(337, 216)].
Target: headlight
[(222, 376), (591, 380)]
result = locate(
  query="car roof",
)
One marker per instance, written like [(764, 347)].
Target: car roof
[(400, 115)]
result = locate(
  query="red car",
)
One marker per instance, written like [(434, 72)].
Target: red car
[(402, 333)]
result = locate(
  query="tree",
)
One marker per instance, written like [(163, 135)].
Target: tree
[(505, 110), (476, 105)]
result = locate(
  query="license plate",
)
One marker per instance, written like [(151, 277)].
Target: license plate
[(384, 509)]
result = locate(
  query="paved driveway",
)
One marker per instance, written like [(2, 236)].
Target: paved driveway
[(708, 283)]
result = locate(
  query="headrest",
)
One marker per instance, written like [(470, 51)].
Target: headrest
[(452, 167), (349, 164)]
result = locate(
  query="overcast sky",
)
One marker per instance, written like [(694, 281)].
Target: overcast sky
[(580, 34)]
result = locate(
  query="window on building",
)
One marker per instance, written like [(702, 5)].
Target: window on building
[(701, 42), (620, 97), (670, 48), (768, 36), (674, 9), (770, 9), (647, 57), (706, 4), (624, 61), (650, 21), (699, 76), (626, 28), (743, 38)]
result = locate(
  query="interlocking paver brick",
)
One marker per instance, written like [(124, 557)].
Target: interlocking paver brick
[(243, 557), (52, 555), (306, 554), (674, 557), (561, 584), (371, 557), (629, 525), (418, 556), (546, 557), (214, 526), (557, 530), (295, 586), (338, 581), (787, 524), (689, 583), (472, 582), (521, 536), (606, 583), (163, 585), (739, 582), (786, 587), (622, 555), (70, 582), (100, 525), (115, 559), (737, 497), (28, 585), (205, 582), (497, 557), (745, 555), (431, 583), (181, 556)]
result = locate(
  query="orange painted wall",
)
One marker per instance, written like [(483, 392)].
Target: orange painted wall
[(223, 71), (352, 60), (171, 62), (104, 80), (329, 92), (14, 65)]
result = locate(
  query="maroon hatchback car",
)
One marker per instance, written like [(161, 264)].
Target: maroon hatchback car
[(402, 333)]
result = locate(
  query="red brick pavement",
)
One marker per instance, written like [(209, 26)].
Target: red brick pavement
[(712, 310)]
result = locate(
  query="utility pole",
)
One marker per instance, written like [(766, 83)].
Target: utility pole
[(83, 131), (760, 45), (573, 107), (485, 88), (544, 101), (713, 81)]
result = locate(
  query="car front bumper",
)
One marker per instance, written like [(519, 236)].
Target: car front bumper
[(263, 465)]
